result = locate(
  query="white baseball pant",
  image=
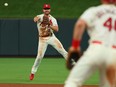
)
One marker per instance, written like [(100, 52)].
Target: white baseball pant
[(43, 43), (98, 57)]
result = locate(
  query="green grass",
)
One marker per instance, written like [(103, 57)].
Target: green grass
[(51, 71), (30, 8)]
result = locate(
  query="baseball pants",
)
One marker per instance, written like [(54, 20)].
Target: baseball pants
[(95, 57), (43, 43)]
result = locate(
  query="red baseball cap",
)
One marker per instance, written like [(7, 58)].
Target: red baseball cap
[(110, 1), (46, 6)]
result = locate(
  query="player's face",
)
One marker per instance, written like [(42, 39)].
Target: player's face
[(46, 11)]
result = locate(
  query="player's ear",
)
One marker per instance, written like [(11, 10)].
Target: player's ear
[(43, 10)]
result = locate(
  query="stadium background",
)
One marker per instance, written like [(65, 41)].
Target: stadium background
[(19, 39)]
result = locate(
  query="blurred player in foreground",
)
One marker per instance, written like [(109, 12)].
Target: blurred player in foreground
[(46, 24), (100, 22)]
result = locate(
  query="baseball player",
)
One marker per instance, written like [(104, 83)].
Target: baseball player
[(46, 37), (100, 22)]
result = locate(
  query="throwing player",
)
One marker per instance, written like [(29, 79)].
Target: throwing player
[(46, 24), (100, 22)]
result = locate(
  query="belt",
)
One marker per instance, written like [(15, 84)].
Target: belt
[(99, 42), (45, 35)]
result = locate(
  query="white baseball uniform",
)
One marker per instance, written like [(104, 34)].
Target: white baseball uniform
[(44, 41), (101, 53)]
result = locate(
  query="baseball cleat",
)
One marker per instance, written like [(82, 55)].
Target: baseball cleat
[(31, 76)]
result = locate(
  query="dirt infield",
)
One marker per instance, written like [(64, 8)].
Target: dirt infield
[(38, 85)]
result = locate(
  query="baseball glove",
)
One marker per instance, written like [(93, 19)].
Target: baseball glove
[(45, 21), (73, 57), (44, 27)]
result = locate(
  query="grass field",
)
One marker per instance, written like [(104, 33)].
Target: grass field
[(51, 71), (30, 8)]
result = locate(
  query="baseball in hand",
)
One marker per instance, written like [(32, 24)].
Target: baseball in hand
[(5, 4)]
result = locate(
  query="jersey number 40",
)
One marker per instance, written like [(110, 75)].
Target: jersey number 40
[(110, 24)]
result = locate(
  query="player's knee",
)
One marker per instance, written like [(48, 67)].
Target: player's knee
[(39, 56), (40, 53), (60, 50)]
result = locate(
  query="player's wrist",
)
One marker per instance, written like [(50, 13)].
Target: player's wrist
[(75, 43)]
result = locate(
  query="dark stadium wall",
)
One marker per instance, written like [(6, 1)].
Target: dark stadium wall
[(20, 37)]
